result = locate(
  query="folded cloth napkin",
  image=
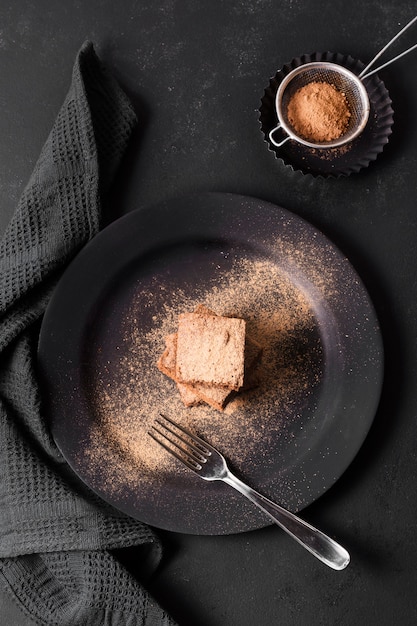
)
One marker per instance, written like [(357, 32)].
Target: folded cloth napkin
[(55, 535)]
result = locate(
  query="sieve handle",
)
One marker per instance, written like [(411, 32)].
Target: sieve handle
[(278, 144), (365, 73)]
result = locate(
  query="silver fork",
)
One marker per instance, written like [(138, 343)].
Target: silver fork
[(209, 464)]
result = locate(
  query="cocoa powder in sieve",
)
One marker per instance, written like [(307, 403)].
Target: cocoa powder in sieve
[(319, 112)]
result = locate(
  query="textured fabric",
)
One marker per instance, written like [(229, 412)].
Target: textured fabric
[(55, 535)]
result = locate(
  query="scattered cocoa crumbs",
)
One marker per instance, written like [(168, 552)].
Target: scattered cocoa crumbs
[(128, 393), (319, 112)]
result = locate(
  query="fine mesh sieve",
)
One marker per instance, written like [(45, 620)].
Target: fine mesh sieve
[(323, 72), (344, 81)]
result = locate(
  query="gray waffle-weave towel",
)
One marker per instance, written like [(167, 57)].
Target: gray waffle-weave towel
[(55, 537)]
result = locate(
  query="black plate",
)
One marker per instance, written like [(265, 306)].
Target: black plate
[(320, 378)]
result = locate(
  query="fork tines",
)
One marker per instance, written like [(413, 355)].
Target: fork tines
[(180, 442)]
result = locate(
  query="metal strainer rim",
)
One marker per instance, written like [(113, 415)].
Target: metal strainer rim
[(346, 138)]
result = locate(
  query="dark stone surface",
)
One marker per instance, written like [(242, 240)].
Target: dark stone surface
[(196, 72)]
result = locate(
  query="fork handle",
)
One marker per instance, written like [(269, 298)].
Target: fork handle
[(320, 545)]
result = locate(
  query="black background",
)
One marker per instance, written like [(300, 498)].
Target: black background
[(196, 72)]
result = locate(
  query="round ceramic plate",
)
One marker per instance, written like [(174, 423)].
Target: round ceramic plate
[(290, 436)]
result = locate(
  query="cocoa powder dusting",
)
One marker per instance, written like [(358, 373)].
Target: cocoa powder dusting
[(319, 112), (128, 394)]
